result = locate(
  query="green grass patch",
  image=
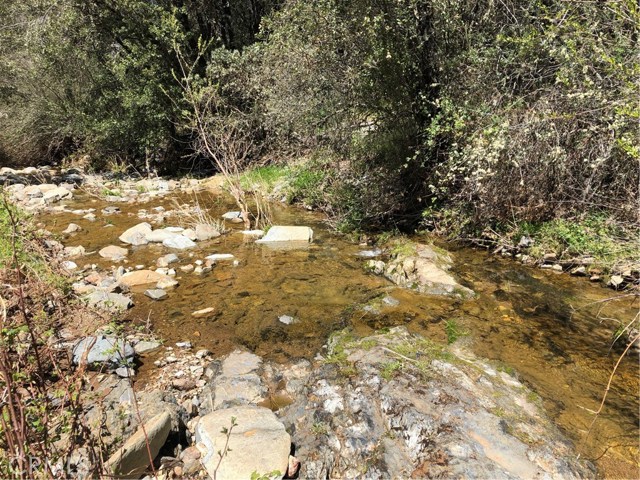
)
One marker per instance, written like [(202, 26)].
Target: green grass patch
[(305, 184), (264, 179), (594, 236), (403, 247)]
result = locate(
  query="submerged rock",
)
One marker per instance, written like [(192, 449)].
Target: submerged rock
[(203, 312), (167, 260), (258, 443), (422, 268), (113, 252), (142, 277)]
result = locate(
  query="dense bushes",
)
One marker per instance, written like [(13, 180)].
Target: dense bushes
[(539, 112), (502, 111)]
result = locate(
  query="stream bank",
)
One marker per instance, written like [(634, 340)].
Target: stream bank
[(323, 288)]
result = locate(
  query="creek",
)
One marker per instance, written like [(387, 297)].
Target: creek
[(552, 329)]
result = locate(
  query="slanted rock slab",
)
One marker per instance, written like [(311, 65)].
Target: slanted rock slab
[(132, 459), (102, 349), (287, 234), (257, 443)]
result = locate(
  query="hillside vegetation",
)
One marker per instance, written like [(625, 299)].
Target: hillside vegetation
[(391, 114)]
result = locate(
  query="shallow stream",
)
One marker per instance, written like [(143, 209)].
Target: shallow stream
[(541, 325)]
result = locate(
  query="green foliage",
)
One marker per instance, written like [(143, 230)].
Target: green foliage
[(266, 476), (537, 115), (28, 254)]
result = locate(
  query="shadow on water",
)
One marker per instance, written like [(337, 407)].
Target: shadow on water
[(536, 323)]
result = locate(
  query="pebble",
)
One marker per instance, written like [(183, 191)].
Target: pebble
[(171, 359), (156, 294), (202, 313), (183, 344), (187, 268), (202, 353), (167, 283), (391, 301), (286, 319), (183, 383), (69, 265), (72, 228)]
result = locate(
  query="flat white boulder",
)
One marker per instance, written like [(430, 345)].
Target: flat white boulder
[(220, 256), (55, 194), (232, 215), (257, 443), (253, 233), (136, 235), (179, 242), (287, 234), (160, 235)]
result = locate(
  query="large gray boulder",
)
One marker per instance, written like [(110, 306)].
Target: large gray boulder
[(132, 459), (258, 443), (102, 349), (136, 235)]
